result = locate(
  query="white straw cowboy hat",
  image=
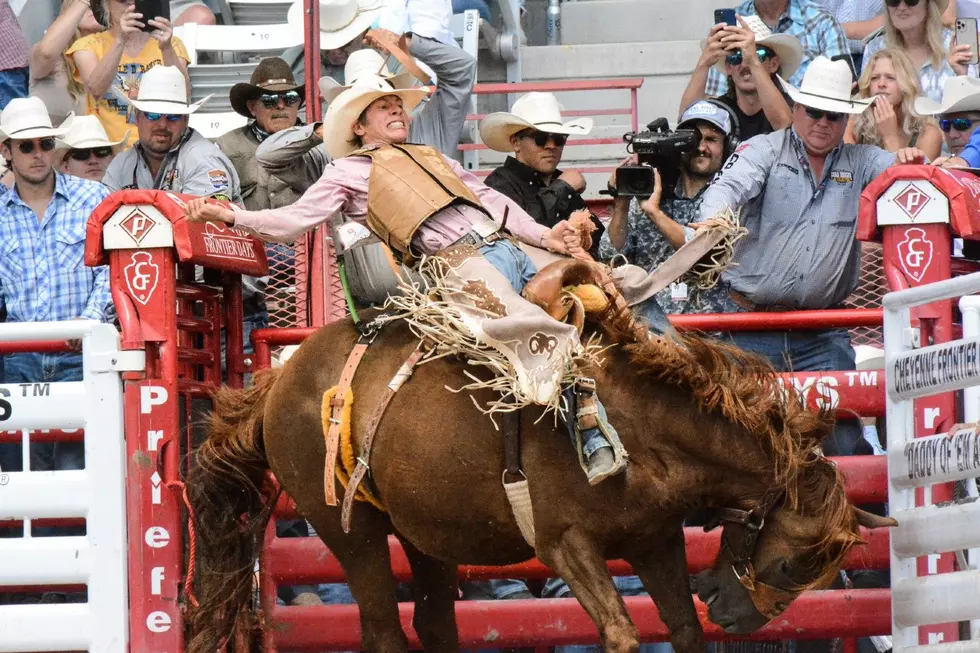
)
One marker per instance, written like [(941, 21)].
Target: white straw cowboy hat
[(959, 94), (338, 123), (341, 21), (787, 47), (86, 132), (26, 118), (534, 110), (360, 63), (163, 89), (827, 86)]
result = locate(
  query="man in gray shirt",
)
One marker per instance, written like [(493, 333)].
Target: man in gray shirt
[(798, 191)]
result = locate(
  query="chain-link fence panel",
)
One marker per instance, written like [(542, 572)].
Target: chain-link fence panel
[(871, 288)]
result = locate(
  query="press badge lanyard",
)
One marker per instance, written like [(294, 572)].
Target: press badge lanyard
[(805, 164)]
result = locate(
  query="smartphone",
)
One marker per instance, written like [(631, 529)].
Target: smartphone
[(726, 16), (152, 9), (966, 33)]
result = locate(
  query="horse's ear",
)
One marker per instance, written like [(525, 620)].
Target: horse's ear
[(870, 520)]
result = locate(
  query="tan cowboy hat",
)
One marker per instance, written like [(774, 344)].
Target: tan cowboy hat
[(786, 46), (959, 94), (86, 132), (341, 21), (827, 86), (360, 63), (533, 110), (26, 118), (272, 75), (338, 124), (163, 89)]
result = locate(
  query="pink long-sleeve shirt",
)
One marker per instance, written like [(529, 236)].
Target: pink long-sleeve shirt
[(343, 188)]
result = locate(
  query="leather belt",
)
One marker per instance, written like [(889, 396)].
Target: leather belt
[(745, 303), (477, 240)]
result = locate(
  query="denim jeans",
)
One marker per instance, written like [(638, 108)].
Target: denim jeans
[(44, 456), (13, 84), (459, 6), (511, 261), (812, 351)]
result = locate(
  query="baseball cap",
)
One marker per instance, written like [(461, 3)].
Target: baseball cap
[(709, 112)]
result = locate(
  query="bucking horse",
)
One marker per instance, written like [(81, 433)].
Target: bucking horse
[(707, 427)]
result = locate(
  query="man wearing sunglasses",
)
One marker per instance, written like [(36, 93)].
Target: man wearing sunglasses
[(534, 135), (958, 114), (42, 276), (86, 150), (797, 192), (271, 100)]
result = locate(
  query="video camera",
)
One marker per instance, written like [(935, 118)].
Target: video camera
[(659, 148)]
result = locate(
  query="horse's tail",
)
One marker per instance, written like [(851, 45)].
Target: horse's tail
[(231, 510)]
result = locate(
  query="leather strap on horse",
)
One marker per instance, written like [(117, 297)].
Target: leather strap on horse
[(681, 261), (511, 427), (402, 375), (333, 433)]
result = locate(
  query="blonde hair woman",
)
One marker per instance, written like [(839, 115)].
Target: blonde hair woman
[(892, 122), (916, 28), (52, 74)]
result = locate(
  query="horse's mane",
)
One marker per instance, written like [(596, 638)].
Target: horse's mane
[(745, 389)]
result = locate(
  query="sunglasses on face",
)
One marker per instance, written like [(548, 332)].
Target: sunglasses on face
[(541, 138), (271, 100), (895, 3), (735, 58), (817, 114), (27, 147), (171, 117), (86, 154), (959, 124)]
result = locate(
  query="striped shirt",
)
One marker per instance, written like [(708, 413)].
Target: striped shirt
[(800, 250), (818, 31), (42, 275)]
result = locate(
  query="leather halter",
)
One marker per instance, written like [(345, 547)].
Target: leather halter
[(770, 601)]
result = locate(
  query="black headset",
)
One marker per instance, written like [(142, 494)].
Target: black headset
[(734, 137)]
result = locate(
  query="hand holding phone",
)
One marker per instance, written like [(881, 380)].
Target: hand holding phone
[(152, 9), (966, 34), (725, 16)]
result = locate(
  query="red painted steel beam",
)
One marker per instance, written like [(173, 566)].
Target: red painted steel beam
[(500, 624), (846, 318), (302, 560), (861, 393)]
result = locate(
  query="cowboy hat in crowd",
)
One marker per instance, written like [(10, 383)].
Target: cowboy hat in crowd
[(787, 47), (338, 123), (86, 132), (27, 118), (366, 62), (827, 86), (272, 75), (341, 21), (539, 111), (163, 89), (960, 94)]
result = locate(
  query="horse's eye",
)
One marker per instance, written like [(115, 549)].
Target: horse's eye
[(786, 568)]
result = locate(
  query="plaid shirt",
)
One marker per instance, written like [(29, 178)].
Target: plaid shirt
[(13, 46), (931, 79), (42, 276), (818, 31)]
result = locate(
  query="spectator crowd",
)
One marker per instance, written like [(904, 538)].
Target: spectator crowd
[(797, 106)]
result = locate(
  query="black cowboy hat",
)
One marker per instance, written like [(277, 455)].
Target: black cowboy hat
[(272, 75)]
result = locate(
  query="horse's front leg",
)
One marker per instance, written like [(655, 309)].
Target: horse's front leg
[(579, 562), (663, 570)]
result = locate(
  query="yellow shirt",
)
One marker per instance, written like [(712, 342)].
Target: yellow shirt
[(116, 115)]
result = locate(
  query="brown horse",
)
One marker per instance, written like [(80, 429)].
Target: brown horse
[(707, 427)]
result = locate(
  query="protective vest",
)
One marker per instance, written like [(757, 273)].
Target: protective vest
[(409, 184)]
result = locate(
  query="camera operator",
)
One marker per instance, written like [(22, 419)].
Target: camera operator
[(648, 231)]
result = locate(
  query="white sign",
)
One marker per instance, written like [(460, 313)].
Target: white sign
[(939, 458), (930, 370), (132, 227), (912, 202)]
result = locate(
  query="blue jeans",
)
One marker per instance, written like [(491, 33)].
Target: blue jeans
[(812, 351), (44, 456), (13, 84), (459, 6), (511, 261)]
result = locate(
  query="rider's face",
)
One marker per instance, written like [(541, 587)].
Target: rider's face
[(383, 122)]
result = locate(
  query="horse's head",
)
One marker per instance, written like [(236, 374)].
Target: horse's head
[(772, 553)]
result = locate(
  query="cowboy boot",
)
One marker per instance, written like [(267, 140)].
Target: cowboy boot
[(602, 451)]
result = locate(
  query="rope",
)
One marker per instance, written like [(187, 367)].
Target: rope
[(192, 537)]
